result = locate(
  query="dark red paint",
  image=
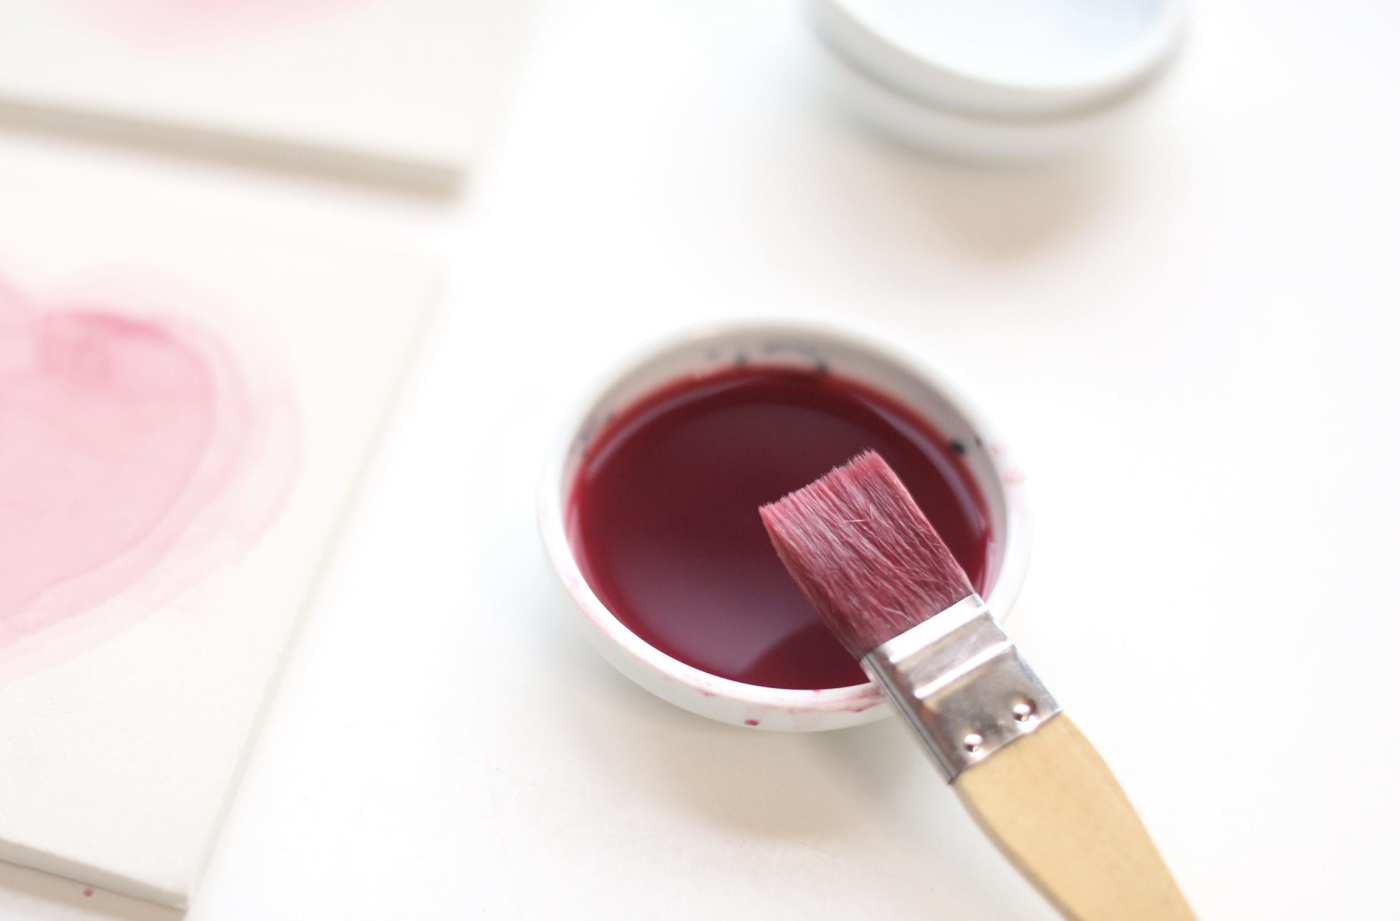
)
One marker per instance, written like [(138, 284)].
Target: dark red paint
[(664, 514)]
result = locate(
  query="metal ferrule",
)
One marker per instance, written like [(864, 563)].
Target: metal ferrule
[(960, 682)]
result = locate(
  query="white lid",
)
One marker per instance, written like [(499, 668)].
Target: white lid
[(1010, 58)]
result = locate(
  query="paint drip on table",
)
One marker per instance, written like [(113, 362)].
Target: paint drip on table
[(136, 456)]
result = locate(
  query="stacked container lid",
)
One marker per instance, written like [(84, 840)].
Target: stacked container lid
[(1013, 80)]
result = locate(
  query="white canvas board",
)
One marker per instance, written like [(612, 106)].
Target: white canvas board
[(186, 400), (407, 88)]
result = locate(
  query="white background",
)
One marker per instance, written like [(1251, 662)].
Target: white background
[(1188, 341)]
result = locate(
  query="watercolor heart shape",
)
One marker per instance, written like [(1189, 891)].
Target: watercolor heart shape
[(118, 432)]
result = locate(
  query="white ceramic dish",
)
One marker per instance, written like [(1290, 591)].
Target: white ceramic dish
[(970, 139), (909, 378), (1025, 80)]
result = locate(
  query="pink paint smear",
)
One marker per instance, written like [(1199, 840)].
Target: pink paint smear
[(133, 458), (182, 22)]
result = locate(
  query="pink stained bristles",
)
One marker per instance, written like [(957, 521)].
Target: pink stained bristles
[(864, 554)]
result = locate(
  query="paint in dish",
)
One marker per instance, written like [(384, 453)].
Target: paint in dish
[(663, 514)]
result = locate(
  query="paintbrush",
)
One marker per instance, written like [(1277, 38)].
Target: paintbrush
[(883, 581)]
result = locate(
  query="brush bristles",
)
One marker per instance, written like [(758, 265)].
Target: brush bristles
[(864, 554)]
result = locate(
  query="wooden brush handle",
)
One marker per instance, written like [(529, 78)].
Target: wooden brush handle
[(1052, 806)]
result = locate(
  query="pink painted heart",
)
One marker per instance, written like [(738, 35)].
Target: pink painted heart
[(117, 433)]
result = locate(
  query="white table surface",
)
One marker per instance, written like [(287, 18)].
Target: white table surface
[(1189, 340)]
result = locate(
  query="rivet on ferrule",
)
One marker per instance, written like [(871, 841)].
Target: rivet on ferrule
[(961, 683)]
